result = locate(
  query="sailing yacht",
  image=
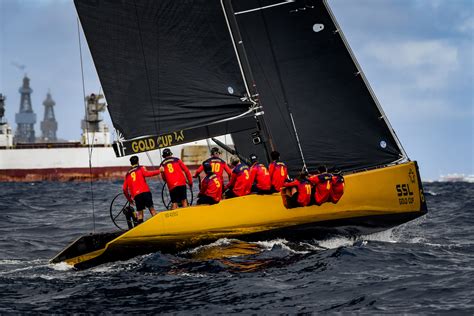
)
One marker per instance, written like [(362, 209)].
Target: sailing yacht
[(275, 75)]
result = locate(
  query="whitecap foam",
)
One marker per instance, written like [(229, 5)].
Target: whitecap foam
[(191, 275), (10, 261), (341, 241), (33, 264), (283, 243), (335, 242), (62, 266), (384, 236), (218, 243)]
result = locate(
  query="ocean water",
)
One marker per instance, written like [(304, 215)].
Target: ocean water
[(424, 266)]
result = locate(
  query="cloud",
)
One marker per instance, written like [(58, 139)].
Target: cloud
[(429, 63), (467, 26)]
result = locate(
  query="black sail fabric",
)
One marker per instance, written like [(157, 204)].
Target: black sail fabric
[(164, 65), (300, 63)]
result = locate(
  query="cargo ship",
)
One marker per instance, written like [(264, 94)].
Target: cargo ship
[(24, 158)]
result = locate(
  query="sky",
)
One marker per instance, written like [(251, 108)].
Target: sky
[(417, 55)]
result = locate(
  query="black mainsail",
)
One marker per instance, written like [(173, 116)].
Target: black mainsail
[(177, 67), (165, 66)]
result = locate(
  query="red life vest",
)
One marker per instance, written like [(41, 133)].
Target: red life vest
[(240, 180), (218, 166), (322, 183), (211, 186), (261, 176), (304, 190), (278, 174), (175, 172), (135, 183), (337, 188)]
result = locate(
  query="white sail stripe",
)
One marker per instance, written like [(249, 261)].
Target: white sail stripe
[(265, 7)]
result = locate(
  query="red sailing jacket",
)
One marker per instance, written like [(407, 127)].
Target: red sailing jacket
[(322, 183), (304, 190), (260, 174), (240, 182), (278, 174), (337, 188), (173, 171), (212, 187), (218, 166), (135, 182)]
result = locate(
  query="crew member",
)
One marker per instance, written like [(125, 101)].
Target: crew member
[(175, 173), (239, 184), (337, 186), (136, 189), (322, 185), (211, 187), (217, 164), (259, 176), (278, 172), (297, 193)]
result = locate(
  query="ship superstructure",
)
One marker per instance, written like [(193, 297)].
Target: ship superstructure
[(94, 130), (22, 158), (6, 136)]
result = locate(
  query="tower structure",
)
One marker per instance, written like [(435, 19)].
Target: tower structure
[(49, 126), (26, 118)]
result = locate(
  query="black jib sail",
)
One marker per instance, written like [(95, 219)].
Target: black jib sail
[(301, 64), (165, 66)]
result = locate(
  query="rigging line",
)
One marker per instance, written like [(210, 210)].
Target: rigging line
[(261, 125), (285, 98), (146, 70), (259, 64), (237, 54), (90, 147)]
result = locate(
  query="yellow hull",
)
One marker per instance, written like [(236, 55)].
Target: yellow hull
[(374, 200)]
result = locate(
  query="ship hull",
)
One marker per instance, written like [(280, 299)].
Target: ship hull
[(373, 201), (70, 164)]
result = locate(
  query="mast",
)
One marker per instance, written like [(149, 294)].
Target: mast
[(247, 77)]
